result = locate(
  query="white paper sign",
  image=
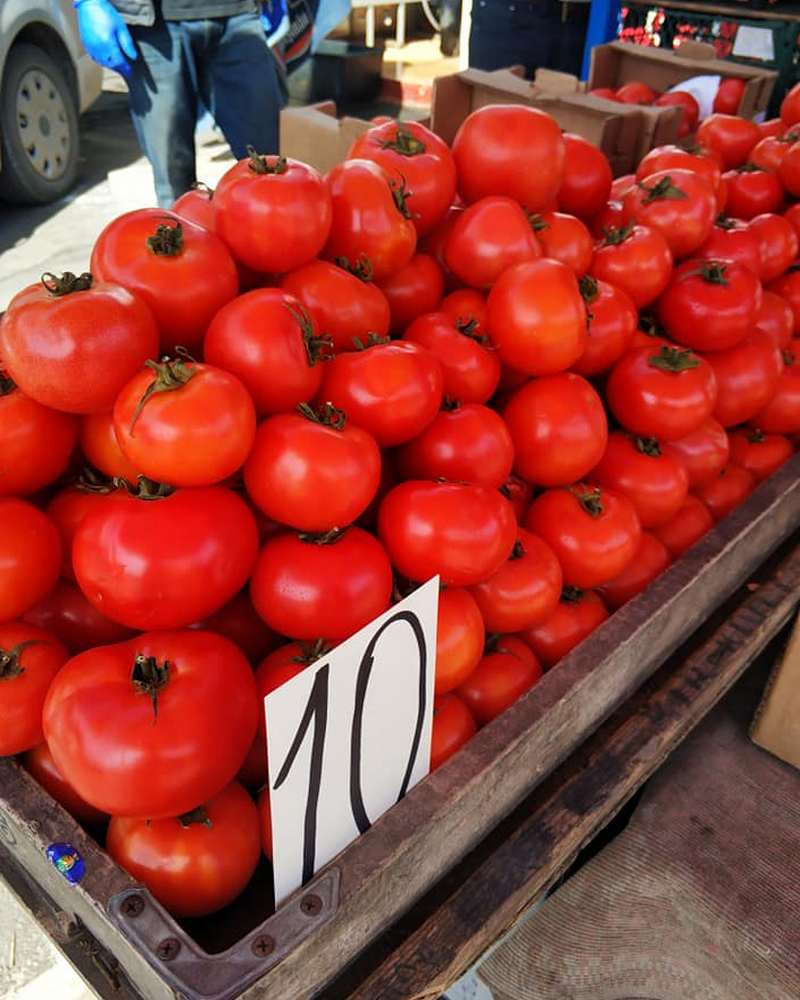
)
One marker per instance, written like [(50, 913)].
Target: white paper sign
[(703, 89), (754, 43), (349, 736)]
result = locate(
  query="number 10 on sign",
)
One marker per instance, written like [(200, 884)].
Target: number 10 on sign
[(349, 736)]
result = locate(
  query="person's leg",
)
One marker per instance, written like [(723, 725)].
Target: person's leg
[(515, 32)]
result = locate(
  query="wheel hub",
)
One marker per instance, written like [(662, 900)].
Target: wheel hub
[(43, 124)]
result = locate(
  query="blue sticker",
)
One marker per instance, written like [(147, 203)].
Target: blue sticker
[(66, 859)]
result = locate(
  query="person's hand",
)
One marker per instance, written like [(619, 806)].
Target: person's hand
[(105, 35)]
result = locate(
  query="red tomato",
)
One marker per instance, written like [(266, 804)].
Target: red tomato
[(460, 637), (576, 616), (518, 493), (524, 591), (732, 485), (688, 526), (453, 726), (165, 721), (66, 614), (665, 392), (566, 239), (503, 675), (788, 287), (274, 213), (344, 306), (789, 170), (100, 447), (702, 453), (197, 863), (436, 239), (775, 319), (39, 763), (612, 320), (606, 93), (239, 622), (72, 343), (464, 307), (68, 508), (680, 204), (636, 92), (495, 147), (608, 218), (391, 390), (761, 454), (487, 238), (412, 155), (195, 205), (370, 218), (772, 126), (460, 531), (651, 559), (730, 137), (700, 161), (29, 660), (268, 340), (156, 255), (313, 470), (729, 95), (636, 259), (586, 184), (537, 317), (733, 240), (747, 377), (558, 427), (265, 816), (690, 109), (768, 153), (790, 106), (466, 443), (792, 215), (620, 186), (36, 442), (156, 561), (415, 289), (470, 368), (30, 557), (782, 414), (752, 191), (593, 532), (778, 244)]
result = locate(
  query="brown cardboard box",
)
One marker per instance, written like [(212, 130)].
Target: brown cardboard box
[(776, 726), (316, 136), (620, 62)]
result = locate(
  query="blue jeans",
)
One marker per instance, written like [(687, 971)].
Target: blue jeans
[(223, 62)]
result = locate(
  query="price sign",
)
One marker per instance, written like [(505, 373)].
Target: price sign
[(349, 736)]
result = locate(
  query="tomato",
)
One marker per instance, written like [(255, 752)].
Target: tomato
[(636, 259), (30, 557), (434, 242), (566, 239), (636, 92), (518, 492), (195, 205), (702, 453), (537, 317), (730, 137), (344, 306), (460, 636), (586, 185), (29, 660), (152, 726), (732, 486), (71, 343), (680, 204), (593, 532), (700, 161), (608, 218), (238, 621), (558, 427), (196, 863), (788, 287), (790, 106), (273, 213), (392, 390), (772, 126), (464, 307), (156, 561), (612, 320), (313, 470), (752, 191), (729, 95), (651, 559), (768, 153), (488, 237), (576, 616), (690, 109), (470, 368), (688, 526), (775, 319), (268, 340), (412, 155), (524, 591), (782, 414), (100, 447), (370, 218), (620, 186), (733, 240), (778, 244), (747, 377), (156, 255), (503, 675), (453, 726), (789, 170), (36, 442), (606, 93), (710, 305), (792, 216), (415, 289), (661, 392), (39, 763), (461, 531), (68, 508), (66, 614), (495, 147), (761, 454)]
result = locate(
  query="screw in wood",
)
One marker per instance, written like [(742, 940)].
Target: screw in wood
[(168, 949), (311, 904), (263, 945), (133, 906)]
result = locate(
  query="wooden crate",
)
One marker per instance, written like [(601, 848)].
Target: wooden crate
[(295, 952)]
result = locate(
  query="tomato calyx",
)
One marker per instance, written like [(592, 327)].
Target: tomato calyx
[(404, 143), (662, 190), (91, 481), (260, 164), (330, 537), (571, 595), (145, 489), (7, 384), (327, 414), (749, 168), (519, 549), (373, 340), (614, 235), (648, 446), (401, 194), (725, 222), (674, 360), (167, 240), (755, 436), (537, 222), (11, 659), (713, 271), (317, 348), (590, 499), (170, 374), (494, 644), (67, 283), (310, 652), (468, 326), (789, 357), (203, 188), (450, 405), (361, 268), (149, 677), (195, 816), (650, 326)]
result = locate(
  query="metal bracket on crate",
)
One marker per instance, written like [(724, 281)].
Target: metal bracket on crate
[(195, 974)]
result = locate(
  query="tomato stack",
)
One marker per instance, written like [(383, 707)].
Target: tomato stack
[(265, 415)]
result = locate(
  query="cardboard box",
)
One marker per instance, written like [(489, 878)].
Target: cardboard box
[(316, 136), (620, 62), (776, 727)]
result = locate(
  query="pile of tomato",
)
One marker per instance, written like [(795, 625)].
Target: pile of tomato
[(261, 418)]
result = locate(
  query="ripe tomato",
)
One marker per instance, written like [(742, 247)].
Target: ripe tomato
[(313, 470), (273, 213), (453, 726), (466, 307), (460, 531), (752, 191), (71, 343), (195, 205), (732, 485), (665, 392), (790, 106), (702, 453), (460, 636), (688, 526), (772, 126), (344, 306), (636, 259), (593, 532), (700, 161), (576, 616), (330, 585), (36, 442), (789, 170), (620, 186), (30, 557), (156, 561), (651, 559), (586, 184), (39, 763), (100, 447), (196, 863), (612, 320), (239, 622), (788, 287), (735, 241), (392, 390), (792, 215), (690, 109), (558, 427), (778, 244), (710, 305), (680, 204), (768, 153), (466, 443), (265, 816), (494, 148), (370, 218), (730, 137), (505, 673), (470, 368), (609, 217), (537, 317), (66, 614), (268, 340), (29, 660), (415, 289), (566, 239), (606, 93), (636, 92), (434, 242), (156, 255), (68, 508), (412, 155), (775, 319), (747, 377), (761, 454), (524, 591), (729, 95), (782, 414)]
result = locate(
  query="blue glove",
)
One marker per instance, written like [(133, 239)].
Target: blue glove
[(275, 20), (105, 35)]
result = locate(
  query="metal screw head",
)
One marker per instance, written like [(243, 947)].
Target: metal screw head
[(168, 949), (311, 904), (263, 945), (133, 906)]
